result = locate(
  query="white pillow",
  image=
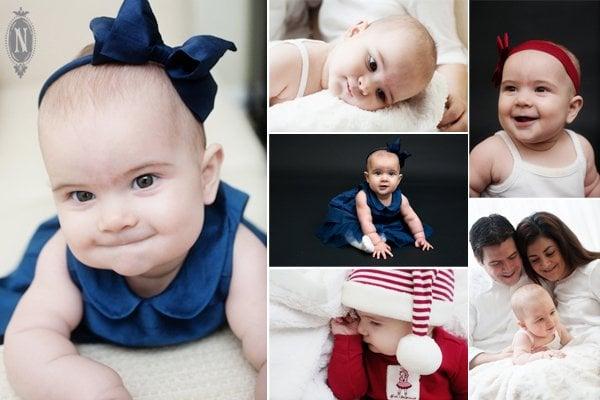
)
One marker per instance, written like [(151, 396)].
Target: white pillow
[(322, 111)]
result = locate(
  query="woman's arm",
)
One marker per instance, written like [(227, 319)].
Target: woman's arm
[(365, 219), (246, 305), (41, 362), (414, 224)]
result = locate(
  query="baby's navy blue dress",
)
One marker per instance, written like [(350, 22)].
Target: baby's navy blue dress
[(342, 227), (191, 307)]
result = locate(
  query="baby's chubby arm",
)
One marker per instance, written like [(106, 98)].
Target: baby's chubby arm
[(480, 166), (285, 67), (414, 224), (565, 336), (365, 219), (246, 305), (41, 362), (592, 178)]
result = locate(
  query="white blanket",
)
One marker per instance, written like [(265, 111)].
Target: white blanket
[(322, 111), (302, 301), (577, 376)]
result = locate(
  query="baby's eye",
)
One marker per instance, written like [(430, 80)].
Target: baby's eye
[(372, 64), (375, 323), (541, 89), (552, 312), (380, 95), (143, 181), (81, 196), (509, 88)]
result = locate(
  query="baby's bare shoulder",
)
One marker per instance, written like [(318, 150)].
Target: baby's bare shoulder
[(285, 67), (493, 156)]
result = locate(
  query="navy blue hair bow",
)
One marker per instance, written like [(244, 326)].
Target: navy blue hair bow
[(133, 38), (396, 148)]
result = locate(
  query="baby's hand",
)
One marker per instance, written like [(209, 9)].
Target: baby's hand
[(347, 325), (423, 244), (382, 250)]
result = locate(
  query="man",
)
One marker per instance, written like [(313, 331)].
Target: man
[(492, 323)]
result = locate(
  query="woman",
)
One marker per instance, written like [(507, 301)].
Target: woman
[(552, 255)]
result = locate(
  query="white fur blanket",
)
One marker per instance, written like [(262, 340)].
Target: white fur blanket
[(302, 301), (322, 111), (577, 376)]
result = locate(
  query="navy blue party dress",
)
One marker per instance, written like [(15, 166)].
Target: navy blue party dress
[(191, 307), (341, 226)]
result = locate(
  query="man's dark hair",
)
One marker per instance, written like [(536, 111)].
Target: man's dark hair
[(489, 231)]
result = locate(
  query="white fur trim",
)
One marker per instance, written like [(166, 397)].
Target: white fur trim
[(391, 304)]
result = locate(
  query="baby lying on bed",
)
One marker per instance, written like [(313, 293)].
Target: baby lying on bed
[(374, 65), (541, 334)]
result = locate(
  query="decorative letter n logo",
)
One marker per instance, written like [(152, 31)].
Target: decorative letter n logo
[(21, 40)]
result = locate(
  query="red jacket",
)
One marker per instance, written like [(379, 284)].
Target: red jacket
[(355, 372)]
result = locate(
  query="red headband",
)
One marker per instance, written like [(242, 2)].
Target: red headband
[(504, 51)]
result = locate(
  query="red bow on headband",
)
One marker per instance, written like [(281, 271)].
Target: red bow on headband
[(504, 51)]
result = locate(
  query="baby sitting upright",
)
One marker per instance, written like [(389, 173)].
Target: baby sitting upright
[(541, 335)]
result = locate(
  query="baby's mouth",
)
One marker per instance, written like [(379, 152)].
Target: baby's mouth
[(524, 119)]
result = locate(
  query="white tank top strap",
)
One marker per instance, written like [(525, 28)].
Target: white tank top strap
[(299, 43), (576, 144), (514, 152)]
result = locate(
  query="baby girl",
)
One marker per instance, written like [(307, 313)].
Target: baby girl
[(150, 248), (541, 334), (535, 156), (374, 65), (376, 214), (388, 349)]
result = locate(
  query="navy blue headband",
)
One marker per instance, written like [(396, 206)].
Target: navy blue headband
[(133, 38), (395, 148)]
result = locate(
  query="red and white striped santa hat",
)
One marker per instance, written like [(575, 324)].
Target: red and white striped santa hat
[(420, 296)]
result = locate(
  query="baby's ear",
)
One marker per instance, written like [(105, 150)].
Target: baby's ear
[(521, 324), (400, 176), (366, 175), (356, 28), (211, 172), (574, 106)]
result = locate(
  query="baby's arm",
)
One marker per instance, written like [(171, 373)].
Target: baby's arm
[(246, 305), (592, 179), (363, 212), (565, 336), (41, 362), (285, 68), (480, 166), (414, 224), (345, 373)]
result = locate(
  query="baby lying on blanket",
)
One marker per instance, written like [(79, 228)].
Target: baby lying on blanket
[(541, 334), (375, 65)]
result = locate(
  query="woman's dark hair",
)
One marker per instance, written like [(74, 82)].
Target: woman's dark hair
[(550, 226), (489, 231)]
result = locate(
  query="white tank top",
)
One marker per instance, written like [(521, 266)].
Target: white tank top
[(299, 43), (530, 180)]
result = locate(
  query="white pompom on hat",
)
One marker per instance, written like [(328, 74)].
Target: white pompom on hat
[(421, 296)]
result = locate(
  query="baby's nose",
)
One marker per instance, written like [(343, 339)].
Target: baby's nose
[(363, 85)]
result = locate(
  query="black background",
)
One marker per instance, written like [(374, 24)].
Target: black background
[(306, 171), (574, 24)]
